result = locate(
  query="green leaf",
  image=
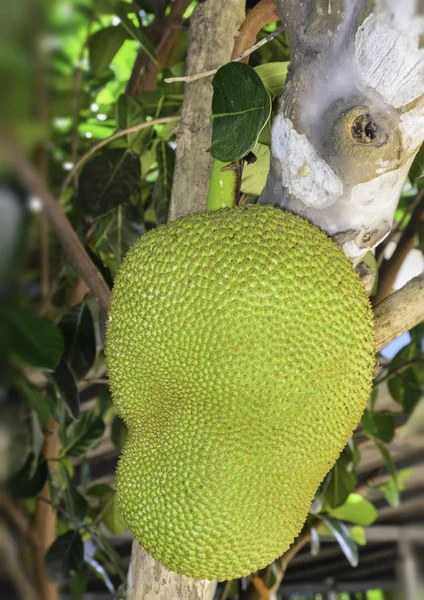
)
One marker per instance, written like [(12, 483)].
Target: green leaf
[(29, 482), (342, 480), (379, 424), (273, 75), (65, 382), (393, 488), (120, 229), (255, 174), (356, 510), (341, 533), (78, 584), (108, 505), (119, 432), (130, 112), (31, 339), (76, 505), (65, 557), (416, 172), (358, 535), (241, 106), (108, 180), (113, 519), (405, 383), (81, 435), (136, 33), (103, 45), (77, 328), (165, 156)]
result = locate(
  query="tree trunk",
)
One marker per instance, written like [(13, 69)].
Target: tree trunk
[(351, 118), (213, 27)]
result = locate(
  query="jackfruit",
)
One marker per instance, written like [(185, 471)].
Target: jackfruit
[(240, 356)]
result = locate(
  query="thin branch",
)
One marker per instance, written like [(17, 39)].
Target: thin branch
[(391, 267), (264, 13), (399, 312), (106, 141), (400, 369), (245, 54), (78, 257)]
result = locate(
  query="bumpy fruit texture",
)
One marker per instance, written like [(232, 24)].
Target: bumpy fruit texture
[(239, 349)]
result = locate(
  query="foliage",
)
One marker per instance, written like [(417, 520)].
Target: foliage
[(61, 100)]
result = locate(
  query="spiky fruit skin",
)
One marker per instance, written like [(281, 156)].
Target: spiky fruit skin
[(240, 356)]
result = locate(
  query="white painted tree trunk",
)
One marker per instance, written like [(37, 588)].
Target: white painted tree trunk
[(351, 118)]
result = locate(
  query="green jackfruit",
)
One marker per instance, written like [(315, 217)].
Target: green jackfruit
[(240, 356)]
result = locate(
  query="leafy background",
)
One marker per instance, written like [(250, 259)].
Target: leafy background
[(69, 68)]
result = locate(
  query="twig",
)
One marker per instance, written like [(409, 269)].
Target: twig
[(78, 257), (245, 54), (406, 365), (106, 141), (262, 14), (391, 267), (169, 37)]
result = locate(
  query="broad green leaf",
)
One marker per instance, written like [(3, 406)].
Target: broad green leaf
[(342, 480), (29, 482), (416, 172), (113, 519), (83, 434), (358, 535), (108, 180), (119, 432), (341, 533), (103, 45), (356, 510), (64, 557), (241, 106), (165, 157), (80, 342), (120, 229), (78, 584), (379, 424), (65, 382), (29, 338), (255, 174), (273, 76), (406, 382)]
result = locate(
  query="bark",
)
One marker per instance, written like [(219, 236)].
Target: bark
[(212, 30), (351, 118)]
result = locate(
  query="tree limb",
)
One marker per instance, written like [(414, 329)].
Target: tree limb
[(399, 312), (391, 267), (78, 257)]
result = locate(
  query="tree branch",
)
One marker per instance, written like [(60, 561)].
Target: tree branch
[(399, 312), (78, 257), (169, 37), (262, 14), (390, 268)]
